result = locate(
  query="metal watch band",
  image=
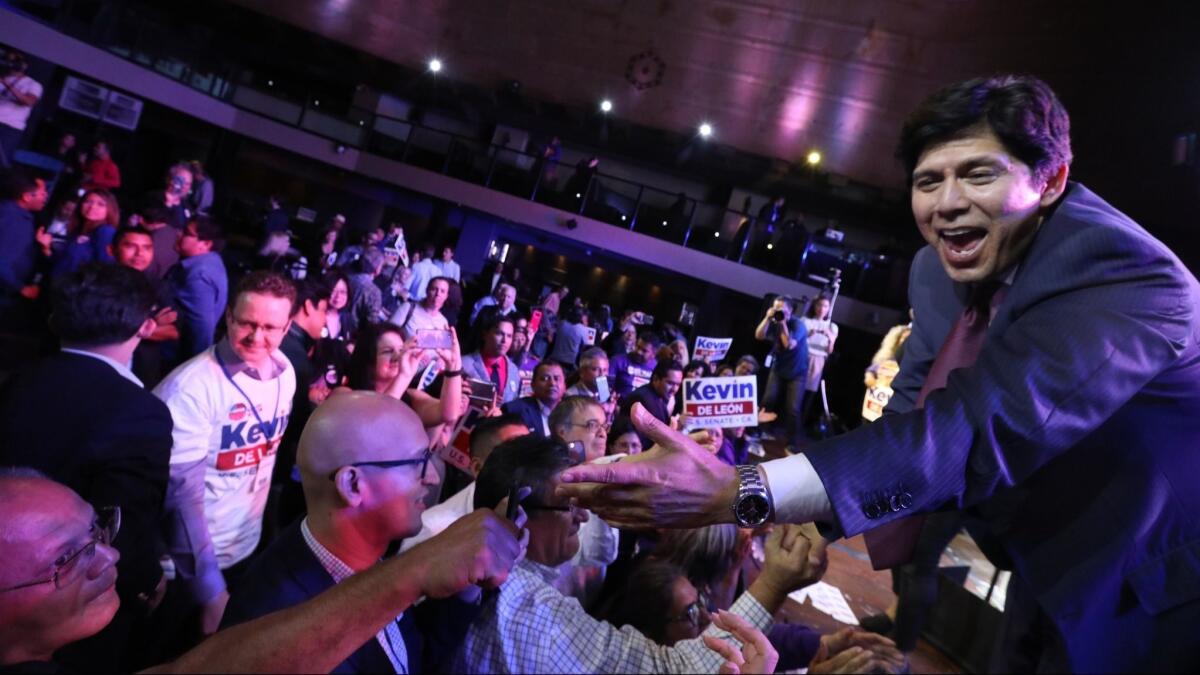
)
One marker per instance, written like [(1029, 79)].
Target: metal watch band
[(750, 486)]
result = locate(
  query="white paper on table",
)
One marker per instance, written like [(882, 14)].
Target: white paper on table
[(828, 599)]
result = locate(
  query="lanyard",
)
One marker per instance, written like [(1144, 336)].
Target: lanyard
[(253, 408)]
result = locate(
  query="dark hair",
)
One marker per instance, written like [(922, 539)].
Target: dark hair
[(645, 599), (100, 304), (126, 230), (449, 282), (156, 214), (484, 434), (266, 283), (532, 460), (812, 308), (1021, 110), (650, 337), (309, 290), (361, 371), (704, 369), (664, 367), (112, 214), (622, 426), (208, 229), (17, 182), (494, 320), (545, 364)]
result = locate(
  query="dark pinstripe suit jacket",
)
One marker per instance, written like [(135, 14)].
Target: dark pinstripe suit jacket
[(1076, 435)]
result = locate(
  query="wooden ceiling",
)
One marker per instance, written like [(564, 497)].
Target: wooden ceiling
[(774, 77)]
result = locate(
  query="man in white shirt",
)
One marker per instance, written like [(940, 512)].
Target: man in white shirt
[(423, 271), (427, 315), (231, 405), (18, 94), (447, 266)]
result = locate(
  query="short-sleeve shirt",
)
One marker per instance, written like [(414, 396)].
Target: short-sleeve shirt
[(789, 363), (12, 112), (818, 344)]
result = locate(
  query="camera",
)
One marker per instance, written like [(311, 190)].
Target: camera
[(778, 315)]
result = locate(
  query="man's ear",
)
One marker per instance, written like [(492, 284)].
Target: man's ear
[(348, 481), (1055, 186)]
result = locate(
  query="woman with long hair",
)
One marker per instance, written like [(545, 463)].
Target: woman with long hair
[(89, 232)]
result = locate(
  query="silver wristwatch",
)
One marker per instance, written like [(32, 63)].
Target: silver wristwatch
[(752, 505)]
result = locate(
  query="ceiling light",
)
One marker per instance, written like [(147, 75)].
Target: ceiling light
[(813, 158), (705, 130), (435, 65), (606, 106)]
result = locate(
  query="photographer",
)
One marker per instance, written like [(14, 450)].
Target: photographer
[(18, 94), (788, 362)]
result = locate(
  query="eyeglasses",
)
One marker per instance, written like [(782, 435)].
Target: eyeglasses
[(423, 461), (252, 327), (70, 566), (591, 425), (692, 612)]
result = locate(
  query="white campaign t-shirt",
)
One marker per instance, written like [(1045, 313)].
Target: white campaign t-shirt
[(13, 113), (818, 344), (214, 423)]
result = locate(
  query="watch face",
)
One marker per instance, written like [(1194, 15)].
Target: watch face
[(752, 509)]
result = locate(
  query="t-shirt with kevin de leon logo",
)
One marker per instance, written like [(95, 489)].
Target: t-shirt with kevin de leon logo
[(228, 425)]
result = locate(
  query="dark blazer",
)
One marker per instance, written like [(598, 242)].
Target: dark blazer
[(287, 574), (529, 411), (1075, 436), (79, 421)]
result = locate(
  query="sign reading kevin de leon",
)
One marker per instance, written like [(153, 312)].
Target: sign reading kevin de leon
[(721, 401)]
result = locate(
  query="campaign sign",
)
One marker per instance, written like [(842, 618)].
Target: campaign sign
[(458, 452), (711, 349), (589, 336), (721, 401)]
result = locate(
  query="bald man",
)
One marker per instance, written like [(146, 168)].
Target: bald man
[(58, 575), (364, 463)]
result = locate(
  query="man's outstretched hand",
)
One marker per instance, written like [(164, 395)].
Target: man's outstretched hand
[(677, 483)]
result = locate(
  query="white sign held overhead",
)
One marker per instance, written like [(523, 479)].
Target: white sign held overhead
[(711, 349), (721, 401)]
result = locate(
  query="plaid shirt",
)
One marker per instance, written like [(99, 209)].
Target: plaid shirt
[(530, 627), (389, 638)]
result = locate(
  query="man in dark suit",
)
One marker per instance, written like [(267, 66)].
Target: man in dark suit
[(490, 364), (549, 384), (1052, 387), (658, 397), (364, 464), (83, 418)]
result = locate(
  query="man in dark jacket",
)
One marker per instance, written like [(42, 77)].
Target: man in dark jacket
[(83, 418)]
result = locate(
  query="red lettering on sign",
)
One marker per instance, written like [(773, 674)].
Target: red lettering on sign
[(240, 458)]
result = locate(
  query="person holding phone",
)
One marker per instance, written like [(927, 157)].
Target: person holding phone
[(491, 363), (593, 380)]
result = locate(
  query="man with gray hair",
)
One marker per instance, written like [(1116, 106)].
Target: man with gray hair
[(501, 302)]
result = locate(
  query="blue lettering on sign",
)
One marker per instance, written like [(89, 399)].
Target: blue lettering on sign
[(699, 390), (244, 433)]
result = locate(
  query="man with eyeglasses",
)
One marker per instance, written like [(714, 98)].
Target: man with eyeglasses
[(549, 383), (199, 286), (364, 464), (531, 627), (580, 419), (83, 418), (57, 575), (231, 404)]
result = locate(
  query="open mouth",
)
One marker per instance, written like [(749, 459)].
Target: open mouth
[(961, 244)]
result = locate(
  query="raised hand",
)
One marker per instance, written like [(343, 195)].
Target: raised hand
[(677, 483), (478, 549), (756, 654)]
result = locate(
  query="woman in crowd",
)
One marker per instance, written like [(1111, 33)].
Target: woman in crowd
[(383, 362), (89, 233), (623, 439), (339, 301)]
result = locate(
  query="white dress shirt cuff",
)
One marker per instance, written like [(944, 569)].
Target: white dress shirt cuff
[(797, 493)]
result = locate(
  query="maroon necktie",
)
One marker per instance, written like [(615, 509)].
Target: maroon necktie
[(894, 543)]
